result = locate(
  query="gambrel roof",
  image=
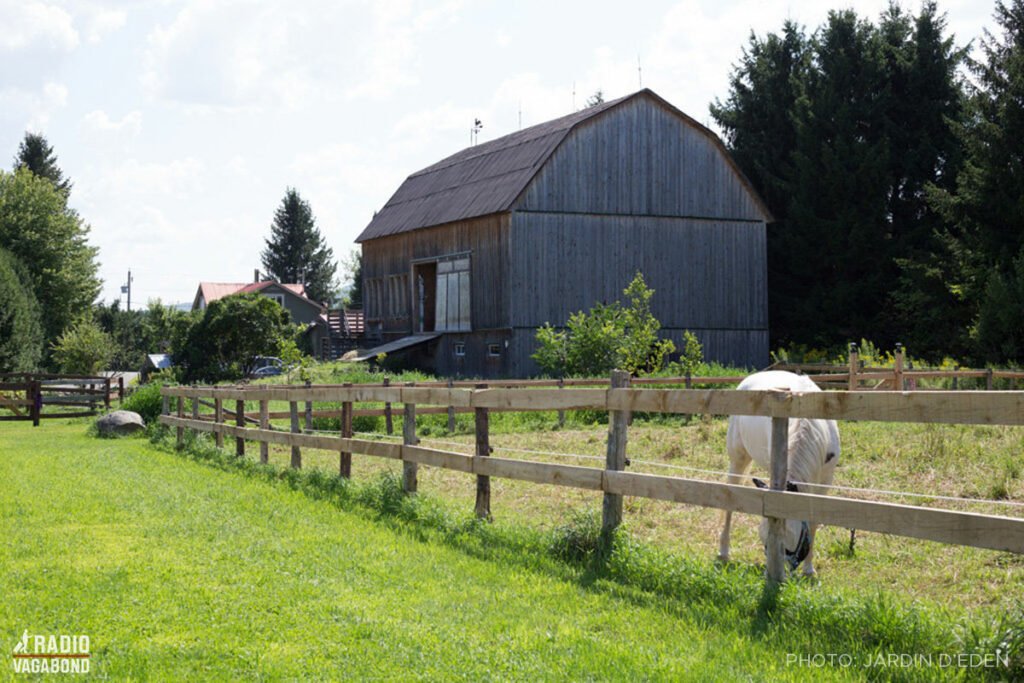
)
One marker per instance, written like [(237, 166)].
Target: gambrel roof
[(489, 178)]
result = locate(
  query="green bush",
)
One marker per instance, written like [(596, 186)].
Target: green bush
[(608, 337), (146, 401), (83, 349)]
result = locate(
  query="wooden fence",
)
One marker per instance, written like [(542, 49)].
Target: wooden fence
[(72, 395), (620, 399)]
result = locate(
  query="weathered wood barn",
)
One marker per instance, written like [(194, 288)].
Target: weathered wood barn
[(471, 255)]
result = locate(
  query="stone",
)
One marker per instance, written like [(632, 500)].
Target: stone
[(120, 422)]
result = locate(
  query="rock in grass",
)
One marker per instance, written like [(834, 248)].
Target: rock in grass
[(120, 422)]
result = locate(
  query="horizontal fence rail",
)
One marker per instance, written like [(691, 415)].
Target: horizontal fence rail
[(88, 393), (947, 526)]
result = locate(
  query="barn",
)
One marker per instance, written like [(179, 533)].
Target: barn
[(473, 254)]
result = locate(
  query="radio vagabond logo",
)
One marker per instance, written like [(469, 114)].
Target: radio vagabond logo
[(51, 654)]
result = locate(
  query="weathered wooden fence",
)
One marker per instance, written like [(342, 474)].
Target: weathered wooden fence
[(72, 395), (947, 526)]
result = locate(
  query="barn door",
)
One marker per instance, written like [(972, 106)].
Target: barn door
[(452, 312), (425, 296)]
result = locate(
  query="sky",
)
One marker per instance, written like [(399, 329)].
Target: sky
[(182, 124)]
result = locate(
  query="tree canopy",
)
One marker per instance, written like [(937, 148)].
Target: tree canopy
[(296, 251), (51, 241), (21, 331), (231, 334), (36, 154), (845, 132)]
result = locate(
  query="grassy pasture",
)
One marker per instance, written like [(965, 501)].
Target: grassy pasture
[(206, 567)]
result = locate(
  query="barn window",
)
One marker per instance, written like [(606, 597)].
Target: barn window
[(493, 350), (452, 306), (459, 349)]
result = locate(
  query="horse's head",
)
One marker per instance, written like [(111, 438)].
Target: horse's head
[(797, 540)]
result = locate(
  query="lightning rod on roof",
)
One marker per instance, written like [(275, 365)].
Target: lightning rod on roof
[(639, 73), (474, 132)]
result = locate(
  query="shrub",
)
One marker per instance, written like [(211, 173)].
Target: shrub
[(608, 337), (83, 349), (146, 401)]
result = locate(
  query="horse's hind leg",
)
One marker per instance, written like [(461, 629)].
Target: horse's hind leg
[(739, 463)]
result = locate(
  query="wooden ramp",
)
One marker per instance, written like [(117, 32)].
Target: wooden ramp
[(398, 344)]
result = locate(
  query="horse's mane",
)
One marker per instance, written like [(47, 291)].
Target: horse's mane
[(808, 443)]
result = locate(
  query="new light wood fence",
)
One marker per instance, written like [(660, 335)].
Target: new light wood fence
[(620, 399)]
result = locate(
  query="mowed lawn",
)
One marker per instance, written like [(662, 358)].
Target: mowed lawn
[(179, 570)]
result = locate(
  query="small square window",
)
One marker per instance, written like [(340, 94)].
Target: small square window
[(494, 349), (459, 349)]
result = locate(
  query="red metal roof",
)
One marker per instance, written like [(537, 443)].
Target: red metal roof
[(211, 291)]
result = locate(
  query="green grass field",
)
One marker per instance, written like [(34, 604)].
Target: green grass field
[(196, 566)]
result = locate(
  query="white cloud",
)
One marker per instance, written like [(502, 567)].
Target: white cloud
[(99, 22), (98, 121), (24, 24), (30, 109), (181, 178)]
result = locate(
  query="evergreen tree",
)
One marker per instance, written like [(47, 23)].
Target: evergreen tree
[(354, 266), (843, 134), (834, 248), (985, 213), (36, 154), (296, 251)]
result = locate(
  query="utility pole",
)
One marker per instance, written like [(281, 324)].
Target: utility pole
[(127, 289)]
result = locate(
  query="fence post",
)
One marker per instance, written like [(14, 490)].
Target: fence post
[(854, 365), (483, 449), (181, 413), (561, 413), (451, 412), (120, 387), (218, 418), (240, 421), (988, 379), (195, 409), (409, 439), (776, 548), (293, 406), (264, 424), (897, 371), (166, 405), (36, 391), (106, 393), (388, 424), (345, 457), (956, 368), (611, 509), (309, 410)]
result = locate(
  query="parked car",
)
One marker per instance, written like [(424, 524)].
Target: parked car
[(267, 366)]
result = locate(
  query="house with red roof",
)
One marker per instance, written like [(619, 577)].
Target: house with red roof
[(291, 297)]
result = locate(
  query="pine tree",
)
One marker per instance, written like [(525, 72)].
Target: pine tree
[(36, 154), (296, 251), (844, 134), (985, 213)]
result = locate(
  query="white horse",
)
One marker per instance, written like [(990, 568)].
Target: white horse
[(813, 455)]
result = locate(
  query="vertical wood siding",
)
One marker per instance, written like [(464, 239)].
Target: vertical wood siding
[(706, 274), (484, 237), (640, 159)]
